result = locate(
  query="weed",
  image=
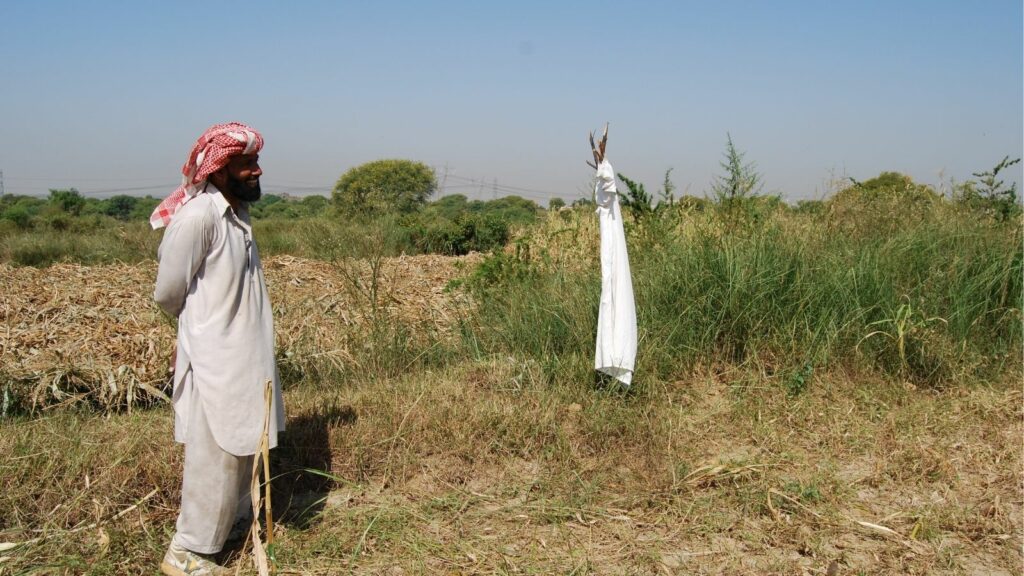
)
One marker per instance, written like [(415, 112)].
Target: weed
[(798, 380)]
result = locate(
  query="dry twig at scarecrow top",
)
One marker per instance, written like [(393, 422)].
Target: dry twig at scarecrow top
[(598, 150)]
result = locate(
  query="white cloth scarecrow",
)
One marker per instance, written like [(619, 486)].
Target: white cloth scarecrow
[(616, 321)]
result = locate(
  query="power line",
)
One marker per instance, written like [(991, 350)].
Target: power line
[(505, 186), (76, 179), (133, 189), (479, 184)]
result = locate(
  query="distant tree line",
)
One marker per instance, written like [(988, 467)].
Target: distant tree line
[(400, 191), (61, 206)]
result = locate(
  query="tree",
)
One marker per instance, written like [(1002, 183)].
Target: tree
[(992, 194), (120, 206), (144, 207), (889, 186), (739, 181), (384, 186), (638, 202), (17, 214), (636, 199), (70, 201), (314, 204), (511, 209), (20, 209), (556, 204), (885, 183), (449, 207), (667, 196), (735, 190)]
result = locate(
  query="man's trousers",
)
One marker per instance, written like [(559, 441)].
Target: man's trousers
[(215, 487)]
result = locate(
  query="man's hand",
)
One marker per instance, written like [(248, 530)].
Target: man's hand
[(174, 358)]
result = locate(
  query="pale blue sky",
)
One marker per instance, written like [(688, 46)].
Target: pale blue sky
[(109, 96)]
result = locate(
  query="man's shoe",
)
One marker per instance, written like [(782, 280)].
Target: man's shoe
[(181, 562)]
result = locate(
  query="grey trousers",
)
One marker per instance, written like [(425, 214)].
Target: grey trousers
[(214, 488)]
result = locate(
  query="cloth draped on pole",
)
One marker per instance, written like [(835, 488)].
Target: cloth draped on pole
[(616, 321)]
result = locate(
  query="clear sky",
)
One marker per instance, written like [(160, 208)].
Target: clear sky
[(109, 96)]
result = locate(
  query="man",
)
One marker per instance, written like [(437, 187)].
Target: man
[(210, 278)]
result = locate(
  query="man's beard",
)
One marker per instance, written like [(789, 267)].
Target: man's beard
[(242, 190)]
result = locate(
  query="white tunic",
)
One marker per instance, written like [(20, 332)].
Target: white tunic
[(616, 320), (211, 279)]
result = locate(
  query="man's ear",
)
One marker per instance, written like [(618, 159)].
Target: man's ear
[(219, 177)]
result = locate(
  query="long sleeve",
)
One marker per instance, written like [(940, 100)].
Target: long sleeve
[(181, 254)]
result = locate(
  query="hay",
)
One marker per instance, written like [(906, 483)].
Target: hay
[(71, 333)]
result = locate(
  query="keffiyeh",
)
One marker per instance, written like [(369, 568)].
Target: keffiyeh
[(211, 152)]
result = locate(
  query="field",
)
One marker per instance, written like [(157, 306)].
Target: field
[(821, 393)]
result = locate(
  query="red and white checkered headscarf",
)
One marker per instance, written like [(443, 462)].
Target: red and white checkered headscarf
[(210, 153)]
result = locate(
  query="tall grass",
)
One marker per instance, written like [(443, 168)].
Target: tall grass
[(935, 300), (87, 240), (97, 239)]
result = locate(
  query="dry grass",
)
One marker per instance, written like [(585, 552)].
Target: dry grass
[(486, 467), (72, 333)]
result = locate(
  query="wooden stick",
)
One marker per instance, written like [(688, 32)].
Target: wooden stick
[(263, 565), (268, 397)]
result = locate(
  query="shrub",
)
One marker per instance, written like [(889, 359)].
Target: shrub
[(990, 195), (120, 207), (19, 215), (143, 208), (733, 189), (69, 201), (463, 234), (887, 203), (384, 186)]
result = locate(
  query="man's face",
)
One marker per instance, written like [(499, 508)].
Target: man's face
[(243, 177)]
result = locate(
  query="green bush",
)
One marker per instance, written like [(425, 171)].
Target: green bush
[(19, 215), (991, 196), (383, 187), (120, 207), (69, 201), (886, 204), (464, 233), (143, 208), (21, 210)]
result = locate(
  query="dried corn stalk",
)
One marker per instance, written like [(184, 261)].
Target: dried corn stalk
[(72, 334)]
